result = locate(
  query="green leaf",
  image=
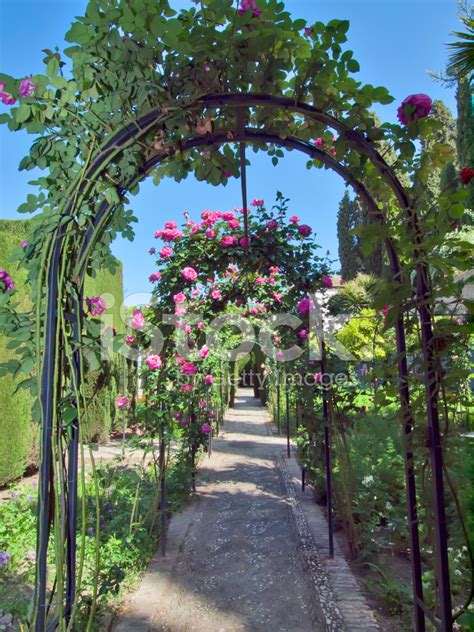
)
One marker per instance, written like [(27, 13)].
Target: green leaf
[(52, 69), (353, 65), (22, 113), (79, 33)]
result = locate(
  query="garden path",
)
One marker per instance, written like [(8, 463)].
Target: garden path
[(242, 556)]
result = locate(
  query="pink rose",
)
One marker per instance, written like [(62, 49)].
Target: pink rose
[(319, 142), (166, 252), (244, 242), (210, 234), (294, 219), (216, 295), (204, 351), (5, 97), (151, 251), (318, 377), (209, 379), (138, 320), (96, 305), (327, 280), (202, 404), (278, 297), (304, 306), (130, 340), (272, 225), (156, 276), (27, 87), (201, 325), (228, 216), (305, 230), (420, 104), (179, 297), (206, 428), (122, 402), (228, 241), (303, 334), (187, 388), (188, 368), (260, 280), (257, 202), (189, 274), (233, 223), (153, 361), (24, 244)]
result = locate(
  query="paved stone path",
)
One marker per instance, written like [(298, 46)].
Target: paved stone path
[(242, 556)]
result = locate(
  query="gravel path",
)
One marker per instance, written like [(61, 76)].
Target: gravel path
[(249, 552)]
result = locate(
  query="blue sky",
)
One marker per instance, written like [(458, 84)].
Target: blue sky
[(396, 42)]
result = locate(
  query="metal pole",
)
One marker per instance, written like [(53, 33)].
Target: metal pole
[(327, 450), (124, 414), (436, 453), (163, 499), (278, 400), (288, 451)]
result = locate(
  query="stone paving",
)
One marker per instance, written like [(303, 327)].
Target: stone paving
[(242, 556)]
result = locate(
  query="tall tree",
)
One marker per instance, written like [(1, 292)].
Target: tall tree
[(465, 131), (351, 255)]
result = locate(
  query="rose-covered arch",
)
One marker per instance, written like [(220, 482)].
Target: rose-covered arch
[(286, 84), (101, 217)]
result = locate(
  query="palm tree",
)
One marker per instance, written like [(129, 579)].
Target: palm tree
[(461, 60)]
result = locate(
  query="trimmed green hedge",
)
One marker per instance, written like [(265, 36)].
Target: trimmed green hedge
[(18, 449)]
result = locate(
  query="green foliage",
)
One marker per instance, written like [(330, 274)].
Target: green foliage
[(465, 131)]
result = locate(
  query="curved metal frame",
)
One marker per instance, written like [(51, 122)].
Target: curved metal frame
[(121, 140)]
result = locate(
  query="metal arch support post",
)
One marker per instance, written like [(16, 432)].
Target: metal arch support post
[(327, 451)]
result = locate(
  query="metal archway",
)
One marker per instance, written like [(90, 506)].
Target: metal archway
[(55, 303)]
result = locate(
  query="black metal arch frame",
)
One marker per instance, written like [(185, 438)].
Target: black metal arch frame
[(55, 303)]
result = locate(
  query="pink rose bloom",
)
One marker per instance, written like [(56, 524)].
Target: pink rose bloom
[(233, 223), (421, 104), (327, 281), (122, 402), (216, 295), (178, 415), (260, 280), (303, 334), (210, 234), (254, 311), (276, 339), (156, 276), (27, 87), (274, 270), (305, 230), (318, 377), (5, 97), (204, 351), (209, 379), (171, 235), (166, 252), (170, 225), (195, 293), (228, 216), (188, 368), (138, 320), (151, 251), (189, 274), (304, 306), (24, 244), (271, 280), (202, 403), (210, 415), (201, 325), (244, 242), (179, 310), (187, 329), (153, 361), (257, 202), (279, 355), (277, 297), (130, 340), (206, 428), (228, 241), (96, 305), (179, 297), (184, 423), (179, 360), (272, 225), (187, 388), (319, 142), (294, 219)]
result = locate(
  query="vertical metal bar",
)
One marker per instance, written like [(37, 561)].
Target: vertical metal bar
[(436, 453), (288, 449), (163, 499), (327, 449), (45, 477), (73, 465), (278, 400), (415, 558)]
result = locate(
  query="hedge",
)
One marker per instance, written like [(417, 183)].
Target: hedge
[(18, 449)]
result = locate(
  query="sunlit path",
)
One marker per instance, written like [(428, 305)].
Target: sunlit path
[(240, 565)]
